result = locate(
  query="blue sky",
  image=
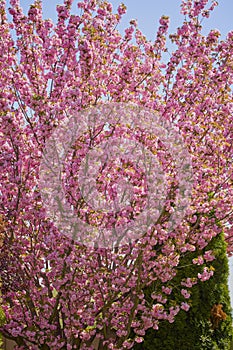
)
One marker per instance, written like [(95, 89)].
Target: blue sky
[(148, 12)]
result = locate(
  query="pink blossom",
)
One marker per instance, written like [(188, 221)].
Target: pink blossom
[(185, 293)]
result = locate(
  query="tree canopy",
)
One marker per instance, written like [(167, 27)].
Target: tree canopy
[(57, 292)]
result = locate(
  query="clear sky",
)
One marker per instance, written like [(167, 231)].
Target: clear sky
[(148, 12)]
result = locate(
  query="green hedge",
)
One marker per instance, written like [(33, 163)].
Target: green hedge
[(2, 319), (193, 330)]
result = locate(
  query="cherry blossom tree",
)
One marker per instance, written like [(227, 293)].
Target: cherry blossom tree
[(58, 293)]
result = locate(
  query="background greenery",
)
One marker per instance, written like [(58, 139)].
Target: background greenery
[(1, 322), (193, 330)]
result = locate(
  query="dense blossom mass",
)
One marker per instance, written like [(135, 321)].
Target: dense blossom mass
[(60, 294)]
